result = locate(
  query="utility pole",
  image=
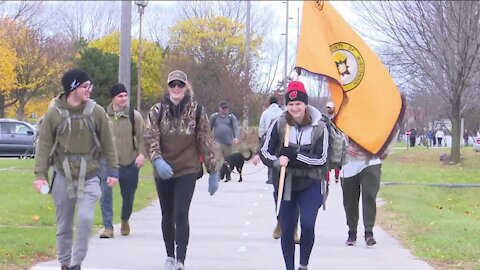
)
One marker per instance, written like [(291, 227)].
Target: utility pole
[(125, 45), (247, 68)]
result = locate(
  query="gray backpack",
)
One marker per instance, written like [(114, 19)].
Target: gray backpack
[(64, 125), (337, 145)]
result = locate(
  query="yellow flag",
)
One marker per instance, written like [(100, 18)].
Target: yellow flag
[(367, 100)]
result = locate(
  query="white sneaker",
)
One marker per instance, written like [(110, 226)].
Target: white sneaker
[(179, 266), (169, 264)]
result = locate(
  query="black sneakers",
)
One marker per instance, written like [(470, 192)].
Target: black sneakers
[(369, 240), (352, 238)]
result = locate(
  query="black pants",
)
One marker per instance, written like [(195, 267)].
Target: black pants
[(175, 195), (412, 141), (439, 142), (367, 182)]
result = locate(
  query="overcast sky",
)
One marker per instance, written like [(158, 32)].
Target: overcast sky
[(160, 14)]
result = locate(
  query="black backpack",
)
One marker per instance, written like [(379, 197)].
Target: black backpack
[(131, 117)]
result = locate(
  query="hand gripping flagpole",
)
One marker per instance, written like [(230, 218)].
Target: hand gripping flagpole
[(281, 183)]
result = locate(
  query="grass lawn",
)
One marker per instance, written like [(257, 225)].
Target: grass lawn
[(441, 225), (27, 223)]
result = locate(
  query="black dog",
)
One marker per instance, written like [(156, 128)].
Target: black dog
[(232, 161)]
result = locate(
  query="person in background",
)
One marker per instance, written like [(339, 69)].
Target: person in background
[(465, 137), (73, 149), (304, 159), (440, 135), (413, 137), (431, 138), (361, 175), (226, 132), (131, 157), (173, 143)]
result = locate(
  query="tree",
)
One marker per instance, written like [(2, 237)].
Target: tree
[(7, 69), (103, 70), (88, 20), (40, 61), (435, 46), (152, 76), (212, 50)]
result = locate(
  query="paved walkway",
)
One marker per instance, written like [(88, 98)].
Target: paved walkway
[(232, 231)]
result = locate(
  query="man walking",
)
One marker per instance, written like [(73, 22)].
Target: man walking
[(128, 130), (74, 134), (225, 131)]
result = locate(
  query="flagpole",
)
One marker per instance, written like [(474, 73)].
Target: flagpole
[(281, 182), (286, 47)]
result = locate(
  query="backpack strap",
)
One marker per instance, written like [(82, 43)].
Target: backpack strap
[(198, 113), (160, 113), (230, 117), (131, 117), (214, 119)]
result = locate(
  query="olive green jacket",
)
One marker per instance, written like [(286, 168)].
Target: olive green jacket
[(77, 141), (128, 148)]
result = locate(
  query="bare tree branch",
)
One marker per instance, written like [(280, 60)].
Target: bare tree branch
[(83, 19), (434, 48)]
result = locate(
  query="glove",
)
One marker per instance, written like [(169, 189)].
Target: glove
[(290, 152), (212, 183), (163, 169)]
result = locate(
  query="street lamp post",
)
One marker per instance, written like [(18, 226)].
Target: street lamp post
[(141, 6)]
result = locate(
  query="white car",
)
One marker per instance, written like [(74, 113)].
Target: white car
[(476, 144)]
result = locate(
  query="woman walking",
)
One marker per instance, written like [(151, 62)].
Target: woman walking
[(177, 131), (304, 159)]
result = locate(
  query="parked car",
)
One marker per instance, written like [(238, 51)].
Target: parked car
[(476, 144), (17, 138)]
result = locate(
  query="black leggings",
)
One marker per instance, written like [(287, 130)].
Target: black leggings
[(175, 196)]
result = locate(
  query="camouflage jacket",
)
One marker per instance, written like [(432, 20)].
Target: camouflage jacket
[(174, 138)]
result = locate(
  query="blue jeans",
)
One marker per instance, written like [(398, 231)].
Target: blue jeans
[(106, 199), (128, 179)]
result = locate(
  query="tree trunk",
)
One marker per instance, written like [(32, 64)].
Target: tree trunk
[(21, 108), (456, 133), (2, 106)]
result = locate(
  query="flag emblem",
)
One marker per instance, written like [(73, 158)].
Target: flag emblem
[(350, 64)]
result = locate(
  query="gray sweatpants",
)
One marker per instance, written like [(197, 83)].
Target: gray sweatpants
[(69, 254)]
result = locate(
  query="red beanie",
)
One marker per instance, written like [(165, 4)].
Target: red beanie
[(296, 92)]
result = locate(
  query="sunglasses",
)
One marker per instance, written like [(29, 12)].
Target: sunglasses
[(178, 83), (224, 108)]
